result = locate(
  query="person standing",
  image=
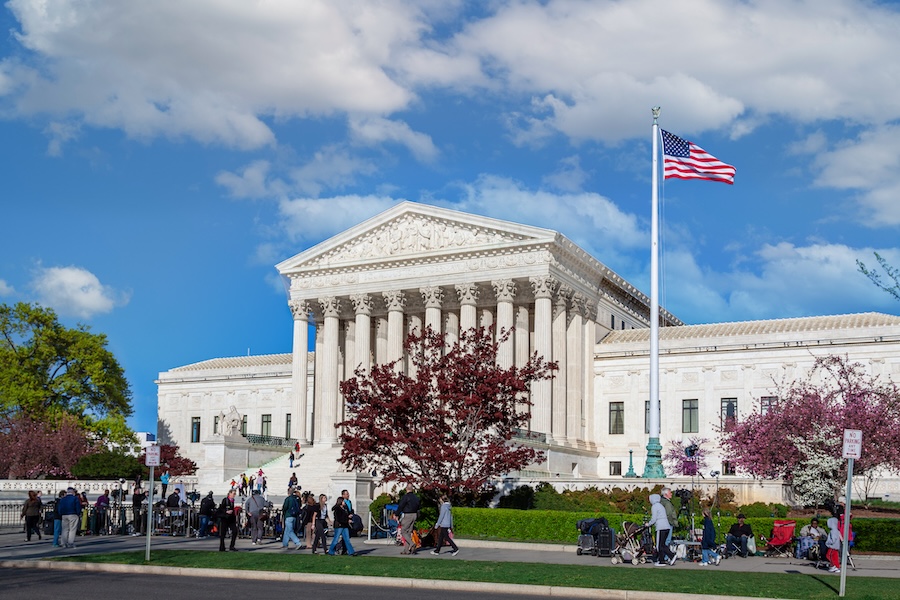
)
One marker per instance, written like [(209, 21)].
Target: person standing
[(664, 555), (291, 510), (255, 505), (207, 512), (31, 512), (291, 460), (408, 508), (444, 524), (708, 541), (322, 520), (137, 499), (164, 480), (57, 520), (341, 518), (308, 520), (227, 521), (293, 482), (101, 511), (69, 508)]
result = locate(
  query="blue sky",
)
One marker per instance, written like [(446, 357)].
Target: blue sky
[(159, 158)]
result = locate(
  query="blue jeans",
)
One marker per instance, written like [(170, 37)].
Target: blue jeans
[(57, 530), (709, 555), (204, 525), (341, 533), (289, 534), (733, 541)]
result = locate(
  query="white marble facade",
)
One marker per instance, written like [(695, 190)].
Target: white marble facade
[(355, 296)]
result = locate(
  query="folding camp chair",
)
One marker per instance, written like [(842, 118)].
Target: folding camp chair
[(781, 544)]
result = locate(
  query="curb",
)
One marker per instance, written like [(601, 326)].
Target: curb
[(396, 582)]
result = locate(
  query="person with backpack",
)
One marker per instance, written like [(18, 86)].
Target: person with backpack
[(255, 507), (291, 511)]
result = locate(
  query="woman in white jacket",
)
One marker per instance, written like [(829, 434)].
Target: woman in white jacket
[(664, 556)]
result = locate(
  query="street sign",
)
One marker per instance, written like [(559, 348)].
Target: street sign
[(152, 456), (852, 443)]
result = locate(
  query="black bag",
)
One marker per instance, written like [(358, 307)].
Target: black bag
[(356, 525), (605, 543), (264, 514)]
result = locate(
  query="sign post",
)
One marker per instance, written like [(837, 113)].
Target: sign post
[(151, 459), (852, 450)]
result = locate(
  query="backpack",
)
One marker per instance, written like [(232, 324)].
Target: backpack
[(264, 514), (294, 508)]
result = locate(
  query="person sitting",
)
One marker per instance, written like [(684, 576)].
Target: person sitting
[(738, 536), (811, 536)]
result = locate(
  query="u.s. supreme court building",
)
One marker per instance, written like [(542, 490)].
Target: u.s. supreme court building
[(356, 296)]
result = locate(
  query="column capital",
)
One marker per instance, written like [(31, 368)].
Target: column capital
[(467, 292), (544, 286), (505, 289), (362, 303), (331, 306), (433, 296), (582, 305), (300, 309), (395, 300)]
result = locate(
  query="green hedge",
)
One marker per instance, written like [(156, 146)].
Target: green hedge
[(559, 527)]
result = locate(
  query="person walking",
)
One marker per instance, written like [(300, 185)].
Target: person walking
[(444, 525), (207, 512), (308, 520), (291, 460), (408, 508), (341, 517), (31, 512), (291, 510), (70, 510), (664, 555), (227, 521), (322, 520), (254, 507), (57, 520)]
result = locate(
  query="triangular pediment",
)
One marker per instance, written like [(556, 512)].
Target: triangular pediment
[(411, 230)]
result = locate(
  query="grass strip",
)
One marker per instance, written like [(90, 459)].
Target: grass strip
[(801, 586)]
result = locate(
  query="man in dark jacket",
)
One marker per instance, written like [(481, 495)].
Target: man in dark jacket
[(207, 513), (737, 537), (408, 508), (227, 521), (69, 508)]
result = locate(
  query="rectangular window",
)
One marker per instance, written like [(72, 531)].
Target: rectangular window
[(767, 404), (616, 417), (623, 325), (612, 321), (244, 426), (728, 468), (266, 428), (287, 426), (215, 424), (690, 416), (646, 416), (195, 429), (729, 412), (615, 467)]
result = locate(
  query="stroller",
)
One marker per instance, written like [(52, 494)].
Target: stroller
[(633, 545), (596, 537)]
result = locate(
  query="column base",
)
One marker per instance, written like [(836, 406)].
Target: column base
[(653, 468)]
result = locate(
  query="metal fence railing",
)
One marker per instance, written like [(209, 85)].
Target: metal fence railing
[(268, 440)]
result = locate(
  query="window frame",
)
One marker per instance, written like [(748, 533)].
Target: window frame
[(692, 424), (617, 409)]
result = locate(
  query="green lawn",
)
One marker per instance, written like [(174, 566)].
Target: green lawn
[(770, 585)]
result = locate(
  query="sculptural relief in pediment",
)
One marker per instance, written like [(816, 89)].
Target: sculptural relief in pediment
[(411, 234)]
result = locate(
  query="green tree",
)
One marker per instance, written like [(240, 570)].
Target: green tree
[(108, 464), (892, 272), (48, 371)]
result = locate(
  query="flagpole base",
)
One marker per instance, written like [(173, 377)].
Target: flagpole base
[(653, 468)]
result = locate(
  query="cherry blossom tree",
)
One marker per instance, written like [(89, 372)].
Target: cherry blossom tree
[(449, 427), (30, 448), (799, 440), (678, 462)]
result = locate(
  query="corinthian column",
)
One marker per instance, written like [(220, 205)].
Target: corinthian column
[(331, 308), (395, 301), (560, 321), (362, 304), (542, 391), (300, 367), (505, 289), (468, 297), (575, 374), (433, 297)]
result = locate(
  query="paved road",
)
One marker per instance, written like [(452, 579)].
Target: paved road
[(65, 585)]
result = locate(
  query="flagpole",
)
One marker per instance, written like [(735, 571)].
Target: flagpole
[(653, 467)]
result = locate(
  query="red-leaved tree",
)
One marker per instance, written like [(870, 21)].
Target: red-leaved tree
[(170, 460), (30, 448), (678, 462), (800, 439), (450, 426)]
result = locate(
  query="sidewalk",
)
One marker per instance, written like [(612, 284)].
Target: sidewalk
[(15, 553)]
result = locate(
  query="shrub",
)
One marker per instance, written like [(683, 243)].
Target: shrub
[(521, 498)]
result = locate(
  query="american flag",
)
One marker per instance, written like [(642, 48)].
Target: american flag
[(685, 160)]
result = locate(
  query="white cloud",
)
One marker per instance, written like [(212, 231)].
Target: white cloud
[(252, 182), (375, 130), (75, 291), (569, 176), (310, 220), (6, 289)]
